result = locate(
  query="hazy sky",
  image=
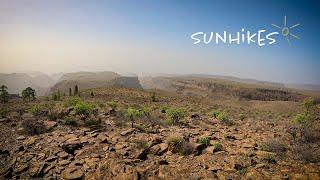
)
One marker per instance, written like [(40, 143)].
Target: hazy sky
[(154, 37)]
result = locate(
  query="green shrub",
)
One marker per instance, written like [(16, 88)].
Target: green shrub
[(218, 147), (164, 109), (4, 112), (36, 110), (70, 121), (174, 115), (309, 104), (301, 118), (242, 116), (83, 108), (132, 114), (101, 104), (113, 105), (145, 111), (71, 101), (177, 144), (243, 171), (224, 118), (153, 97), (214, 113), (93, 123), (204, 141)]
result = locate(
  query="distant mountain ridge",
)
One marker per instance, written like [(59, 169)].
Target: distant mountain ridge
[(16, 82), (88, 80), (45, 84)]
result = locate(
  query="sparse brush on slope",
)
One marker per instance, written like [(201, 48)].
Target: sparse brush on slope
[(132, 114), (36, 110), (4, 95), (71, 101), (174, 115), (83, 109), (177, 144)]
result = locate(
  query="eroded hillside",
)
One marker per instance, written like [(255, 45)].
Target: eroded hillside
[(120, 133)]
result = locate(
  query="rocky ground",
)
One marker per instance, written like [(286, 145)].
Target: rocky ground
[(211, 149)]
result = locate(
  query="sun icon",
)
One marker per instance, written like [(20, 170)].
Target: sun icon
[(285, 30)]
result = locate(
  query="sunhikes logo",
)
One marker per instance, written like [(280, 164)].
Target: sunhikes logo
[(260, 38)]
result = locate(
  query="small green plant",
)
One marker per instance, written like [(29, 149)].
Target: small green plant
[(141, 143), (174, 115), (70, 121), (163, 109), (214, 113), (204, 141), (224, 118), (101, 104), (274, 145), (36, 110), (145, 111), (177, 144), (217, 147), (243, 171), (309, 104), (4, 112), (269, 159), (132, 114), (242, 116), (71, 101), (83, 108), (153, 97), (112, 104), (56, 96), (301, 118)]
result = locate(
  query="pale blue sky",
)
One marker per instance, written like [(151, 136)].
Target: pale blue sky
[(154, 37)]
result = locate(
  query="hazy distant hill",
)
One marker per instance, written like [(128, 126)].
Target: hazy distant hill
[(16, 82), (88, 80), (210, 86)]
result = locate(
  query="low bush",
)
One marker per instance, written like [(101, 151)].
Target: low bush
[(274, 145), (36, 110), (141, 143), (83, 108), (242, 116), (93, 123), (112, 104), (301, 118), (224, 118), (70, 121), (174, 115), (153, 97), (304, 152), (204, 141), (214, 113), (4, 112), (71, 101), (218, 147), (177, 144)]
